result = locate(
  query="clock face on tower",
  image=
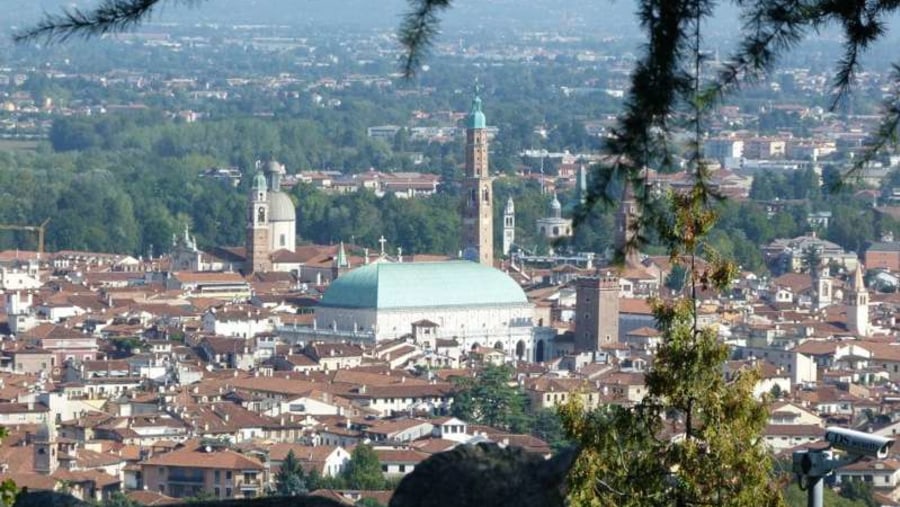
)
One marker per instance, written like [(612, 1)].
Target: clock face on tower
[(261, 214)]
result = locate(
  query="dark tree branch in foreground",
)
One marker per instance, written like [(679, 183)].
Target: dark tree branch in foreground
[(418, 31), (110, 16)]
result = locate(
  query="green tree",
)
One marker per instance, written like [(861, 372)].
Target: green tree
[(811, 260), (201, 497), (546, 425), (118, 499), (289, 478), (676, 278), (629, 460), (859, 491), (489, 399), (8, 488), (794, 497), (364, 469)]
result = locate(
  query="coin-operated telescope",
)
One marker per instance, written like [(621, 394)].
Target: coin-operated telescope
[(812, 465)]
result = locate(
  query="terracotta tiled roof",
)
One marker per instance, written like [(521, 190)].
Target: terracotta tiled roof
[(404, 456), (882, 351), (870, 465), (794, 430), (194, 456), (818, 347), (150, 498), (207, 277), (634, 306), (434, 445), (32, 481)]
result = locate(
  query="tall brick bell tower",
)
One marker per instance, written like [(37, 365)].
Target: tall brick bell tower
[(477, 216)]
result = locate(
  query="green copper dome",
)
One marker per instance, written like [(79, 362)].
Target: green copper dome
[(423, 284), (476, 120)]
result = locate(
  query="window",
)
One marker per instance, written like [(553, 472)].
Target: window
[(217, 492), (161, 471), (403, 469), (384, 468), (228, 476), (227, 492), (217, 478), (282, 240)]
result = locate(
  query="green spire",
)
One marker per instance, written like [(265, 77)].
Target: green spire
[(476, 117), (342, 257), (260, 184)]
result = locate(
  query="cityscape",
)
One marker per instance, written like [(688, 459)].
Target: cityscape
[(243, 255)]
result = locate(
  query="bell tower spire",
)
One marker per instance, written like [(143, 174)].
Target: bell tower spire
[(258, 228), (509, 225), (477, 223), (858, 307)]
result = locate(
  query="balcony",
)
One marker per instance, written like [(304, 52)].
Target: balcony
[(248, 485)]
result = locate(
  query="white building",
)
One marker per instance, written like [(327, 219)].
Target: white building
[(474, 304), (19, 280)]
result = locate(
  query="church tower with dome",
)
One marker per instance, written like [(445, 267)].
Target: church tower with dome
[(478, 216), (272, 220), (258, 251)]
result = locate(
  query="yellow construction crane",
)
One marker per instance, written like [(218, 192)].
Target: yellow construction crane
[(31, 228)]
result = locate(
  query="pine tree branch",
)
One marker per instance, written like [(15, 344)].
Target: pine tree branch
[(774, 27), (418, 30), (884, 136), (110, 16), (862, 26)]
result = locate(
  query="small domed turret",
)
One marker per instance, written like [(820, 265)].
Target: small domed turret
[(555, 207)]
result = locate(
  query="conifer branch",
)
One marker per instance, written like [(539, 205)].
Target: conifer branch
[(885, 135), (110, 16), (773, 27), (418, 30)]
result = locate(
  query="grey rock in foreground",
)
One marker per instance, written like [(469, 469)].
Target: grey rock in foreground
[(486, 475)]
